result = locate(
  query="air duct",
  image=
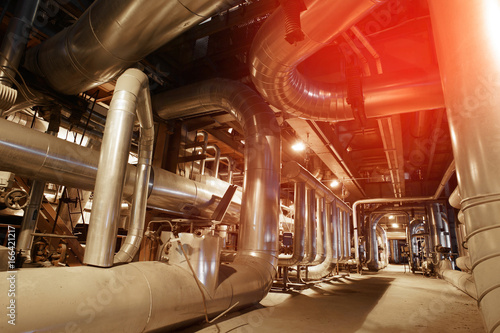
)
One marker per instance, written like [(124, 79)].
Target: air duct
[(97, 47), (468, 51), (273, 67)]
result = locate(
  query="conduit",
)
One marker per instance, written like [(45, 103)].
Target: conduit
[(40, 156), (467, 34), (273, 68), (97, 47)]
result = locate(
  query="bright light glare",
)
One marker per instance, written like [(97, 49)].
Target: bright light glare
[(395, 225), (334, 183), (391, 217), (299, 146)]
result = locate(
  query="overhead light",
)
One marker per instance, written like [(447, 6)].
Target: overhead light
[(395, 225), (334, 183), (230, 130), (299, 146), (391, 217)]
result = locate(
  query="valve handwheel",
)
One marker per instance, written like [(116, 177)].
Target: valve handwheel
[(17, 199)]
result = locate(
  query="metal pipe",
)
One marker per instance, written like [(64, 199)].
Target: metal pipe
[(326, 267), (273, 69), (146, 143), (299, 227), (455, 199), (467, 34), (320, 231), (15, 39), (40, 156), (383, 238), (347, 235), (373, 263), (131, 94), (258, 235), (447, 175), (96, 48), (30, 219), (216, 160), (310, 228)]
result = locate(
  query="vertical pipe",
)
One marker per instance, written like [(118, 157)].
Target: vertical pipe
[(299, 226), (320, 231), (16, 38), (335, 230), (101, 238), (311, 227), (347, 235), (29, 220), (468, 50), (340, 218)]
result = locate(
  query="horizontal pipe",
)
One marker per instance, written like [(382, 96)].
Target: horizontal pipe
[(37, 155), (97, 47)]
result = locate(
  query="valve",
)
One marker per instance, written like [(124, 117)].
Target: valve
[(17, 199)]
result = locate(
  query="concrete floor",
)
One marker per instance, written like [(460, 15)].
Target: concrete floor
[(387, 301)]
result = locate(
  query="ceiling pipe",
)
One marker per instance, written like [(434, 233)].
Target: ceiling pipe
[(447, 175), (468, 35), (97, 47), (273, 69), (131, 94), (36, 155)]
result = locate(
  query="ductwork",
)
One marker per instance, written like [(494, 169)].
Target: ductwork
[(467, 34), (97, 47), (274, 61), (40, 156)]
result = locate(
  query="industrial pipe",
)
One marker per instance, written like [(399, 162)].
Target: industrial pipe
[(216, 160), (320, 231), (311, 235), (373, 263), (467, 34), (327, 266), (146, 143), (299, 227), (40, 156), (258, 234), (96, 48), (131, 94), (455, 199)]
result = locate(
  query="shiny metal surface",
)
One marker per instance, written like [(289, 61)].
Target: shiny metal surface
[(97, 47), (327, 266), (40, 156), (136, 81), (258, 234), (372, 244), (468, 35), (216, 161), (15, 39), (455, 199), (320, 231), (311, 234), (299, 227), (204, 255), (296, 172), (131, 94), (30, 219), (347, 234)]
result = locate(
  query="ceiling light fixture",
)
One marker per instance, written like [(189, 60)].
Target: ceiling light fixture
[(391, 217), (334, 183), (395, 225), (299, 146)]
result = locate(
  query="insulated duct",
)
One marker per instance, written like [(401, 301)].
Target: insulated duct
[(468, 51), (40, 156), (258, 233), (97, 47), (274, 61)]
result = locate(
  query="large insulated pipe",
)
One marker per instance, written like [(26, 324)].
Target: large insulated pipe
[(146, 143), (97, 47), (468, 50), (299, 227), (40, 156), (347, 235), (274, 62), (258, 234), (131, 94)]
